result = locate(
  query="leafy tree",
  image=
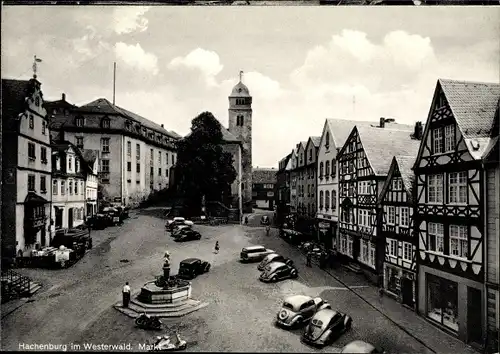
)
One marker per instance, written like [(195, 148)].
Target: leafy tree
[(203, 168)]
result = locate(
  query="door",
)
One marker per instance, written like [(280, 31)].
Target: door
[(474, 315), (59, 218), (70, 218), (407, 291)]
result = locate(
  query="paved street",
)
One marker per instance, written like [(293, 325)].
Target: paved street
[(75, 305)]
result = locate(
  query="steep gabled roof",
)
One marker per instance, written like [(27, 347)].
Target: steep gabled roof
[(404, 165), (14, 93), (316, 140), (340, 129), (382, 144), (264, 175), (103, 106), (303, 144)]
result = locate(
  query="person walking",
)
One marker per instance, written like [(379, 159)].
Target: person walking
[(216, 247), (308, 259), (126, 295)]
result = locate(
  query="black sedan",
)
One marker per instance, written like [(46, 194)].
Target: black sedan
[(277, 271), (273, 257), (188, 235), (192, 267), (325, 327)]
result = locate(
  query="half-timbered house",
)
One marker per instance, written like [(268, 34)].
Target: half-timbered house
[(364, 162), (450, 206), (396, 229)]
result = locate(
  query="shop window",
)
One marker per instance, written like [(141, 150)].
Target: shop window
[(442, 301), (393, 280)]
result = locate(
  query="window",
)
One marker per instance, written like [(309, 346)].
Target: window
[(327, 140), (137, 152), (437, 140), (435, 240), (151, 172), (397, 184), (129, 166), (321, 199), (129, 148), (327, 200), (44, 127), (105, 145), (334, 200), (349, 245), (81, 188), (391, 215), (327, 169), (77, 165), (43, 184), (76, 187), (105, 166), (31, 122), (128, 125), (70, 163), (334, 168), (159, 171), (404, 216), (166, 158), (393, 248), (239, 120), (407, 251), (138, 168), (79, 142), (151, 156), (321, 170), (105, 123), (159, 157), (442, 305), (365, 253), (31, 151), (43, 154), (54, 187), (31, 183), (70, 187), (79, 122), (372, 258), (435, 189), (458, 241), (63, 187), (449, 138), (457, 187)]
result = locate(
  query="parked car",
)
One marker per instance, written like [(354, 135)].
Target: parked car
[(177, 230), (254, 253), (273, 257), (99, 221), (325, 327), (188, 235), (113, 215), (177, 221), (297, 310), (264, 220), (277, 271), (358, 346), (190, 268)]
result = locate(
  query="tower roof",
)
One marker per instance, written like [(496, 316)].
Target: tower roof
[(240, 90)]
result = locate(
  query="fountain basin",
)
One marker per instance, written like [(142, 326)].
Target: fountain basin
[(152, 294)]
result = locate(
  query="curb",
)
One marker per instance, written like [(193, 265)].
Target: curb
[(22, 302)]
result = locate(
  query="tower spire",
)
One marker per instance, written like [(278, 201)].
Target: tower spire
[(35, 60), (241, 75)]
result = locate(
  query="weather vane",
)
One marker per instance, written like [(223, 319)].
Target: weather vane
[(36, 60), (241, 75)]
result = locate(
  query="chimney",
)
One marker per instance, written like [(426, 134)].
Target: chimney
[(419, 131), (64, 97), (162, 126), (382, 122)]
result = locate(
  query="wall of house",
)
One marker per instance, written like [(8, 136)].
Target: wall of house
[(492, 245)]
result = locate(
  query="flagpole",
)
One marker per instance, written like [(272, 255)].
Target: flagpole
[(114, 82)]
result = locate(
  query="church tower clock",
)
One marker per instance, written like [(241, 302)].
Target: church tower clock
[(240, 125)]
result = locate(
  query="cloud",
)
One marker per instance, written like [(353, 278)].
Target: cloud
[(136, 57), (90, 44), (127, 19), (205, 61)]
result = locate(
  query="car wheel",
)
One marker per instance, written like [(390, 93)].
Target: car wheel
[(349, 325), (208, 268), (295, 274), (274, 278)]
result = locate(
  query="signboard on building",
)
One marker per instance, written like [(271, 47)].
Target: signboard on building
[(270, 194)]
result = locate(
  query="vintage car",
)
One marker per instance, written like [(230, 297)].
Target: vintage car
[(297, 310), (277, 271), (264, 220), (177, 221), (273, 257), (177, 230), (187, 235), (325, 327), (358, 346), (254, 253), (190, 268), (113, 215)]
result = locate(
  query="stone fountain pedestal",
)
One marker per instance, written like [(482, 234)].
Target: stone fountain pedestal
[(172, 301)]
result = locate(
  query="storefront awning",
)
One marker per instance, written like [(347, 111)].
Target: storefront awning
[(33, 198)]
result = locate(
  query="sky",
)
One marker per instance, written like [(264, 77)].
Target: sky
[(301, 64)]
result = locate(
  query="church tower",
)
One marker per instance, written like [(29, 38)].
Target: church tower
[(240, 125)]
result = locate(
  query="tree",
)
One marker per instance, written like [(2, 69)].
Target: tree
[(203, 168)]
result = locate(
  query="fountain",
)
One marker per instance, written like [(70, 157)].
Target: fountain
[(166, 296)]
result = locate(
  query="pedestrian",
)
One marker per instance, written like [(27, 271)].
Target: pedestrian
[(246, 220), (126, 295), (216, 247), (308, 258)]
